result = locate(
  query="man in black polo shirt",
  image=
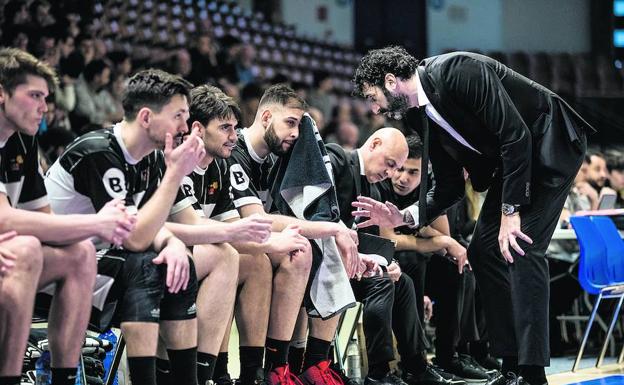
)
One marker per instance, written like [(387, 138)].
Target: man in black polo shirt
[(51, 249)]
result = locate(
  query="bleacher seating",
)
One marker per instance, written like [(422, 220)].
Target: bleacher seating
[(138, 27)]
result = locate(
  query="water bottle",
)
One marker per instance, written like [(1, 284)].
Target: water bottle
[(42, 369), (110, 336), (354, 364), (79, 375)]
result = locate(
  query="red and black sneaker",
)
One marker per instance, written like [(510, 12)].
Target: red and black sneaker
[(320, 374), (281, 375)]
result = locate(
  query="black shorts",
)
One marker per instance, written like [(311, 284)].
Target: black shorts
[(139, 293)]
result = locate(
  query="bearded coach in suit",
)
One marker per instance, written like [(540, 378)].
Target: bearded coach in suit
[(518, 140)]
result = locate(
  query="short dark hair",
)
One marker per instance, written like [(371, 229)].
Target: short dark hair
[(94, 68), (209, 102), (283, 95), (377, 63), (415, 147), (152, 88), (615, 160), (599, 154), (16, 65)]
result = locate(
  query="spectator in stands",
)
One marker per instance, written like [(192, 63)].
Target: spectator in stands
[(54, 132), (100, 49), (243, 64), (16, 37), (180, 63), (15, 13), (40, 14), (597, 172), (205, 67), (318, 118), (230, 47), (94, 101), (250, 98), (121, 63), (65, 42), (86, 48), (597, 176), (615, 166), (320, 95), (346, 135)]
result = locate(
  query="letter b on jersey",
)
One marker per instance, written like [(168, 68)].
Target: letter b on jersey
[(238, 178), (115, 183)]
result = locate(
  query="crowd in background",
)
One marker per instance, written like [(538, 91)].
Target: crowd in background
[(92, 77)]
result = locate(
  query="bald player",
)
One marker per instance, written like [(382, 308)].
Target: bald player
[(389, 301)]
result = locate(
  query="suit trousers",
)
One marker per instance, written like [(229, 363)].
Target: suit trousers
[(516, 296), (414, 265), (388, 307), (454, 309)]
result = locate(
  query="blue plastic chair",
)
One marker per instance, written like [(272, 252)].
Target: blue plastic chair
[(593, 274), (615, 270)]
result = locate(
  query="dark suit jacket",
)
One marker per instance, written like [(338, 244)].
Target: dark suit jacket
[(520, 128), (349, 183)]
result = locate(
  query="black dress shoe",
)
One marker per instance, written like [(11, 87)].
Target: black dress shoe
[(489, 362), (464, 370), (513, 379), (470, 360), (430, 376), (388, 379), (497, 379)]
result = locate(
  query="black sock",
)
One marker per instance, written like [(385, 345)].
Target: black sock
[(295, 359), (415, 364), (533, 374), (251, 358), (10, 380), (206, 364), (221, 366), (510, 364), (64, 376), (317, 350), (142, 370), (379, 370), (184, 365), (163, 372), (276, 353)]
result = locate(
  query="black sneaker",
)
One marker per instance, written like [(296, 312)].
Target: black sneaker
[(430, 376), (449, 377), (223, 380), (388, 379), (463, 370)]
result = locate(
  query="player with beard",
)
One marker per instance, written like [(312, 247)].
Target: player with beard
[(515, 138), (273, 132), (155, 282), (50, 249), (213, 114)]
